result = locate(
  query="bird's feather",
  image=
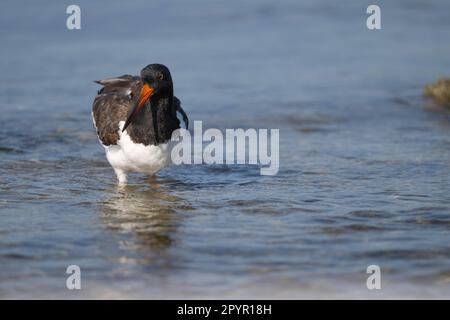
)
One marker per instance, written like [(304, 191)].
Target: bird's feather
[(113, 103)]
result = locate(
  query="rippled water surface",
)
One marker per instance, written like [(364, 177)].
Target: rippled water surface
[(364, 163)]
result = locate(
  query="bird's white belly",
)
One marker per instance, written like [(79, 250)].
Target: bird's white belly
[(128, 156)]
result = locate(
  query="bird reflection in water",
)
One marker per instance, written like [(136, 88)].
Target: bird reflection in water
[(149, 213)]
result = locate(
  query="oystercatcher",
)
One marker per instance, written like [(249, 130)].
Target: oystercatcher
[(134, 117)]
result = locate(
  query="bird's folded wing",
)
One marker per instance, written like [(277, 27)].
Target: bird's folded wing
[(112, 103), (177, 107), (126, 85), (108, 110)]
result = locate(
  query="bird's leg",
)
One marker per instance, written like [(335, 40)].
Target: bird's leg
[(121, 176)]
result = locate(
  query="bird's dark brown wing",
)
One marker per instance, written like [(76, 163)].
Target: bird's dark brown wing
[(177, 107), (124, 85), (112, 104)]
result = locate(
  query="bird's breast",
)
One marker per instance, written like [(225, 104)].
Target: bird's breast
[(131, 156)]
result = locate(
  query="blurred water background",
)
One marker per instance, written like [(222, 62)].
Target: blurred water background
[(364, 163)]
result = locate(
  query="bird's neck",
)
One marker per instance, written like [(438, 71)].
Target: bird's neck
[(156, 121)]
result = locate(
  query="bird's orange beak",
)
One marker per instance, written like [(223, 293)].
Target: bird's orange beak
[(146, 93)]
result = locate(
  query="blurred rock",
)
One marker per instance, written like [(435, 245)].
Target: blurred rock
[(439, 92)]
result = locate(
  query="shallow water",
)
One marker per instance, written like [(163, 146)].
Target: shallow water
[(364, 164)]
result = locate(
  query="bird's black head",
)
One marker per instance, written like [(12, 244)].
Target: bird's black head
[(157, 83), (158, 78)]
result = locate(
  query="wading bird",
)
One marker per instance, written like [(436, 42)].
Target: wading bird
[(135, 117)]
